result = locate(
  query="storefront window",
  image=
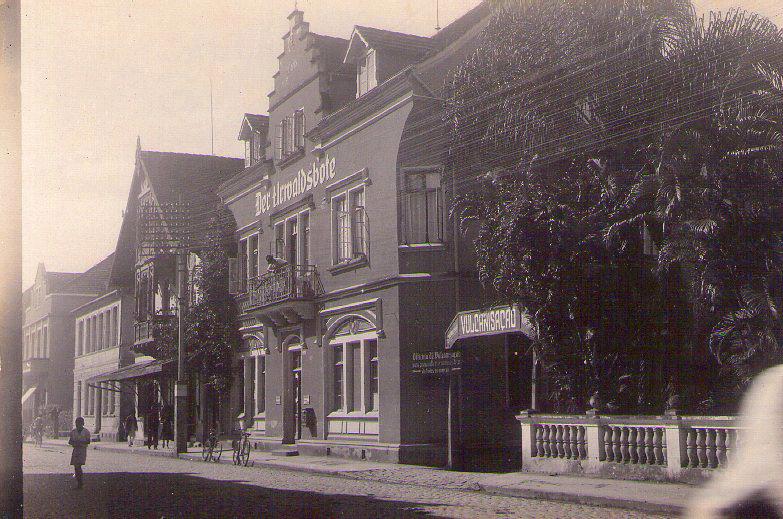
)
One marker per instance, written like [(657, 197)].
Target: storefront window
[(355, 375)]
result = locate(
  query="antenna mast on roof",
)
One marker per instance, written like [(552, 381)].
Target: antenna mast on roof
[(211, 117), (437, 15)]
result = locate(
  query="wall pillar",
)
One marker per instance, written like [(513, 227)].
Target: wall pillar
[(247, 374), (98, 408), (675, 447)]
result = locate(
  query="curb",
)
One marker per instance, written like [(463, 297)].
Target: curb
[(626, 504), (524, 493)]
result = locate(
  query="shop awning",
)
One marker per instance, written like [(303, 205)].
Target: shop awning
[(28, 393), (133, 371), (491, 321)]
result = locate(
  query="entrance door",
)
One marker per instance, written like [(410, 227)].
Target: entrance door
[(296, 379)]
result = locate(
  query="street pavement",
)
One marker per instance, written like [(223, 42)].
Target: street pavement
[(121, 485)]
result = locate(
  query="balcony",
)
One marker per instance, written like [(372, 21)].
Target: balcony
[(285, 296), (153, 326)]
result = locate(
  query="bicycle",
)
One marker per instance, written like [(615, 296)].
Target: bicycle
[(212, 448), (241, 454)]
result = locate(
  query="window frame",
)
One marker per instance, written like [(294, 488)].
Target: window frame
[(299, 221), (440, 202), (350, 254), (348, 406)]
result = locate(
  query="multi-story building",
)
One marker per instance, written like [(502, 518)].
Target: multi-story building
[(48, 337), (348, 270), (145, 259), (103, 337)]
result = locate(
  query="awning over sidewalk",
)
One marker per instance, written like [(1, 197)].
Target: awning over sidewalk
[(134, 371), (28, 393)]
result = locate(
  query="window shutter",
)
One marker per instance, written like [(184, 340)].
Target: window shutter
[(279, 140), (233, 277)]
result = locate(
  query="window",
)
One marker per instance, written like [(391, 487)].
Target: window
[(371, 347), (256, 152), (355, 375), (248, 153), (290, 135), (252, 257), (241, 275), (280, 240), (366, 78), (305, 223), (423, 207), (337, 378), (350, 226)]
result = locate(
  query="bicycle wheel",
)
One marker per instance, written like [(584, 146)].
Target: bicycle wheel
[(217, 451), (205, 451), (244, 454)]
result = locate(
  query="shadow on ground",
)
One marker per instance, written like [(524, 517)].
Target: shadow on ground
[(165, 495)]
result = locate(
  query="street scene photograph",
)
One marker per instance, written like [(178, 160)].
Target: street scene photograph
[(400, 258)]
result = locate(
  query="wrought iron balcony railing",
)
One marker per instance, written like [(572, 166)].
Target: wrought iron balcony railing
[(151, 328), (290, 282)]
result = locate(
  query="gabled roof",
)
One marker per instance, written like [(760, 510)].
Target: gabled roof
[(56, 281), (253, 123), (382, 39), (332, 50), (94, 280)]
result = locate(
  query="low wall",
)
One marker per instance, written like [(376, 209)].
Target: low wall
[(663, 448)]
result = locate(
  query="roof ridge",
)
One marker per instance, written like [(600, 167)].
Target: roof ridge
[(393, 32), (183, 154)]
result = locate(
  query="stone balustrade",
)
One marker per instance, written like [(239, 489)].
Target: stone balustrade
[(679, 448)]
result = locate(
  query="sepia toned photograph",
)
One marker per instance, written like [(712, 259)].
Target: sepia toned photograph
[(400, 258)]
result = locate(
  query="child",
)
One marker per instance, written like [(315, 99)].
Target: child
[(80, 438)]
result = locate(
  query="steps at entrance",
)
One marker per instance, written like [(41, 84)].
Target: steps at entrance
[(289, 451)]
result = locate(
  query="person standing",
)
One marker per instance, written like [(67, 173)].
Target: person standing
[(151, 425), (130, 428), (166, 425), (79, 440)]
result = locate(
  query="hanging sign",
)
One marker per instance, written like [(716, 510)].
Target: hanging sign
[(475, 323)]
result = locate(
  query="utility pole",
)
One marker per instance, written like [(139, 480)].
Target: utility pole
[(180, 216), (181, 388)]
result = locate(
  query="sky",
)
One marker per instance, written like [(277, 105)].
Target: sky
[(96, 74)]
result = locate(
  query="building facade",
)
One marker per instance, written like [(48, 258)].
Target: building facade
[(103, 331), (348, 269), (48, 338)]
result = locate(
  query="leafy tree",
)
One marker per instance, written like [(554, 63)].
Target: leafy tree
[(598, 121)]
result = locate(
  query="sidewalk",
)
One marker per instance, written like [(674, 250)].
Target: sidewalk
[(661, 498)]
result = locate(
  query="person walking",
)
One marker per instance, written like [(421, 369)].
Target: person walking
[(79, 440), (152, 422), (130, 428), (166, 426)]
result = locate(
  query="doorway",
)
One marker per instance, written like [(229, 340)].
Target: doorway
[(296, 380), (493, 386)]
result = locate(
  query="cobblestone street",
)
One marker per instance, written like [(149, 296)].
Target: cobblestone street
[(118, 485)]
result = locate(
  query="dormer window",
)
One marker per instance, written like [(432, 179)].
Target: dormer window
[(366, 78), (253, 149)]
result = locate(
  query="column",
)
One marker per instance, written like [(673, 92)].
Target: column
[(98, 409), (260, 394), (248, 396)]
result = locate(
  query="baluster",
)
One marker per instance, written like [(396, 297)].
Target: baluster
[(625, 456), (691, 448), (731, 440), (632, 457), (712, 456), (641, 443), (539, 441), (546, 441), (608, 444), (720, 447), (658, 446), (567, 441), (649, 446), (580, 438), (701, 447), (575, 442), (560, 449), (618, 453)]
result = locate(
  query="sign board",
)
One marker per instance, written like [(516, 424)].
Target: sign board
[(436, 362), (476, 323), (305, 180)]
